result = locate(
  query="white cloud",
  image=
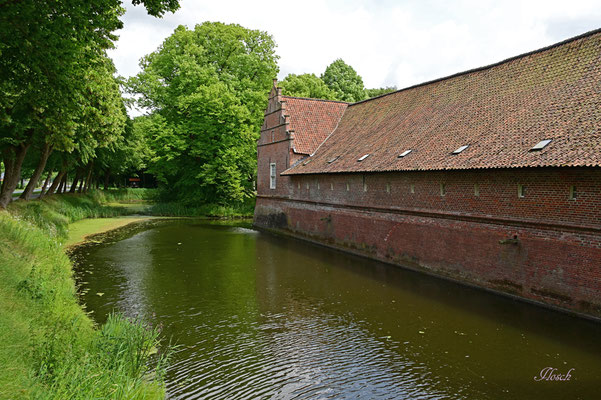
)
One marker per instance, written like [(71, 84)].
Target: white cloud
[(388, 42)]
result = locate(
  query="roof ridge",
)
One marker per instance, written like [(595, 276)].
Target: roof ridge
[(310, 98), (489, 66)]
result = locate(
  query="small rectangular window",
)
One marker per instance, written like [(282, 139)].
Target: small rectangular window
[(476, 190), (412, 188), (272, 176), (317, 185), (331, 186), (541, 145), (459, 150), (443, 189), (573, 193), (272, 136), (299, 185), (348, 187), (364, 184), (388, 188), (307, 185), (521, 191)]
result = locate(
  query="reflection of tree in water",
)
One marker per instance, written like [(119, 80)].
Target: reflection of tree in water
[(257, 315)]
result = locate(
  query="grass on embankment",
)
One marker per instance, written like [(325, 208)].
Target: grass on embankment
[(80, 230), (245, 210), (49, 348)]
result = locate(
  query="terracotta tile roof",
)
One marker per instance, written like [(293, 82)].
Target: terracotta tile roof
[(312, 120), (500, 111)]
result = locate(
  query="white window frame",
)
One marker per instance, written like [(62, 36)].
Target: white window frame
[(272, 176)]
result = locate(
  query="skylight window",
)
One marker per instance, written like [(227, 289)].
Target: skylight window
[(541, 145), (308, 161), (363, 157), (405, 153), (459, 150), (333, 159)]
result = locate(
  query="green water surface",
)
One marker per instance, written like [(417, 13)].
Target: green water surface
[(258, 316)]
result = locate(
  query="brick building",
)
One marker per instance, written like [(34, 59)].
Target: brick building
[(490, 177)]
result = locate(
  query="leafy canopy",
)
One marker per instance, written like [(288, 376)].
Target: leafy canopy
[(339, 82), (343, 80), (57, 90), (206, 89), (369, 93), (306, 85)]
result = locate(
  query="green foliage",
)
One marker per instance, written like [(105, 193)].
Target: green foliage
[(173, 209), (207, 89), (46, 50), (50, 348), (306, 85), (112, 363), (53, 214), (157, 8), (58, 89), (379, 91), (344, 81)]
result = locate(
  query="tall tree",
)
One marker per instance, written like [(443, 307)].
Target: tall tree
[(343, 80), (207, 89), (306, 85), (46, 50), (369, 93)]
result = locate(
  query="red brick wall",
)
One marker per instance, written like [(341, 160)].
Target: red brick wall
[(556, 258), (546, 192), (274, 146)]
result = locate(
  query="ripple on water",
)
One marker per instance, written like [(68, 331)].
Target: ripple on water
[(262, 317), (308, 358)]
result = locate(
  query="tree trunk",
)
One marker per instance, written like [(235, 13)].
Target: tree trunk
[(61, 185), (80, 184), (64, 183), (107, 176), (8, 166), (75, 180), (56, 182), (33, 181), (12, 174), (45, 185), (86, 186)]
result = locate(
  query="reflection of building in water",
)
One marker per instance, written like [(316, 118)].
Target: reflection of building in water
[(322, 326), (490, 176)]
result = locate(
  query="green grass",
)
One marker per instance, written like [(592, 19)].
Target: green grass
[(79, 230), (49, 347), (128, 195), (208, 210)]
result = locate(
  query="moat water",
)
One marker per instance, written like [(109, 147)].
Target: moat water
[(257, 316)]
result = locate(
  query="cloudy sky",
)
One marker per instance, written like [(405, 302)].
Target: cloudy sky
[(388, 42)]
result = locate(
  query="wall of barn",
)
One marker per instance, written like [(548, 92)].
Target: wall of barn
[(470, 226)]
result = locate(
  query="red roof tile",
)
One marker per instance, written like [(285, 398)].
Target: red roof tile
[(500, 111), (312, 120)]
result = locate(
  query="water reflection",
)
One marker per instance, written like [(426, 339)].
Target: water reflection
[(260, 316)]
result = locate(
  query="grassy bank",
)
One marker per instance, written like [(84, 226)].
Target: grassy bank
[(49, 348), (54, 214), (80, 231), (208, 210)]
